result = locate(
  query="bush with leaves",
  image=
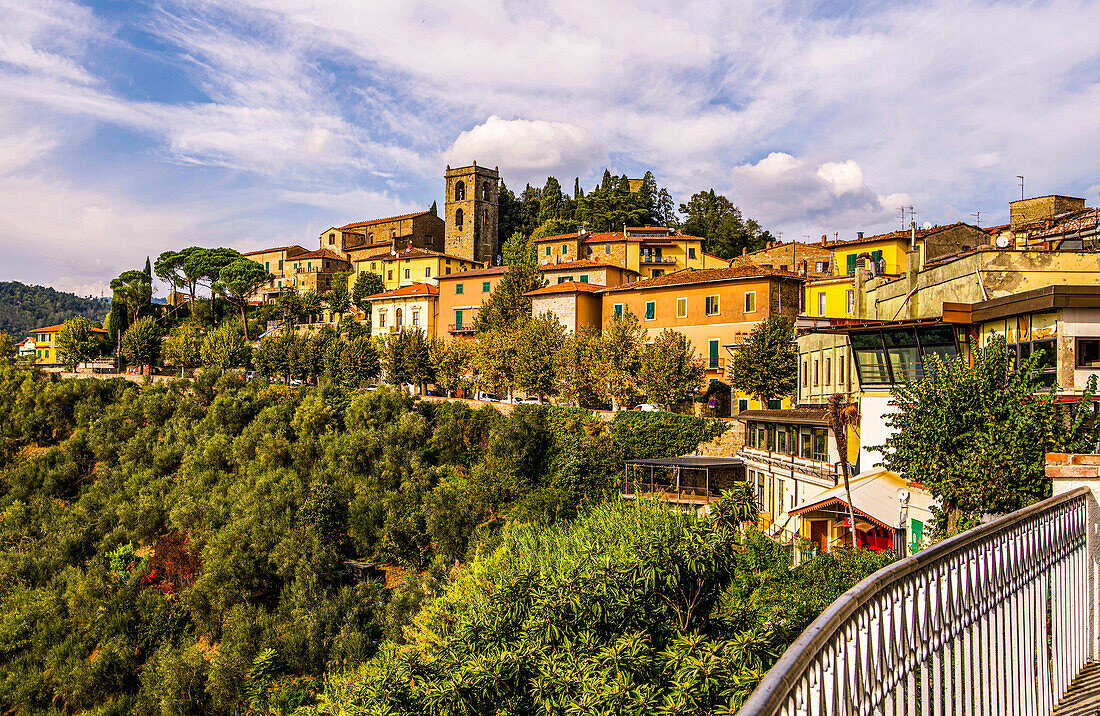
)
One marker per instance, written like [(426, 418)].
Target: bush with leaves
[(141, 343), (76, 343), (183, 347), (359, 363), (225, 347), (976, 435)]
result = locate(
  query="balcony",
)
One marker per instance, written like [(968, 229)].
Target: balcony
[(653, 259), (690, 481), (996, 620), (456, 330)]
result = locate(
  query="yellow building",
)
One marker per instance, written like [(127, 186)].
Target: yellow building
[(408, 307), (649, 251), (880, 259), (45, 342), (412, 265), (833, 297)]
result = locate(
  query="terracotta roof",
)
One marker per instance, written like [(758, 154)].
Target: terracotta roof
[(689, 276), (1077, 221), (567, 287), (895, 235), (413, 252), (491, 271), (371, 222), (321, 254), (416, 289), (58, 327), (610, 237), (582, 263), (277, 248)]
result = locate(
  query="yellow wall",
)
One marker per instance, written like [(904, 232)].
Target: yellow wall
[(423, 269), (893, 252), (836, 299)]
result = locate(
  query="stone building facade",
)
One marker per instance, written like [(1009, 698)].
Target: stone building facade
[(471, 211)]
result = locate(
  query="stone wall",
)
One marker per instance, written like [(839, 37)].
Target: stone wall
[(728, 444)]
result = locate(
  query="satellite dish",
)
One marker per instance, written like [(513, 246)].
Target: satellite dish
[(926, 225), (1004, 240)]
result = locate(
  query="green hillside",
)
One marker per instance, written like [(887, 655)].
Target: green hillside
[(24, 308)]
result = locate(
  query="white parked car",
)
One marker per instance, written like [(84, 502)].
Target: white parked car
[(529, 400), (647, 408), (488, 397)]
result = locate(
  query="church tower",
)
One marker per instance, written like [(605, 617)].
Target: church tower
[(470, 211)]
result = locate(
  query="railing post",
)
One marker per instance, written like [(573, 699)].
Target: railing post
[(1068, 472)]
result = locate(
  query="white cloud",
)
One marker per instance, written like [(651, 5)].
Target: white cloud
[(810, 198), (528, 149)]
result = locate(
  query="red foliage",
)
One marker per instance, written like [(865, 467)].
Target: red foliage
[(172, 567)]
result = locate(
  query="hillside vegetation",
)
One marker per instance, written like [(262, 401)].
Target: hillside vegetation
[(24, 308)]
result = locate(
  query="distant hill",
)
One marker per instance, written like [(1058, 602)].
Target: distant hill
[(24, 308)]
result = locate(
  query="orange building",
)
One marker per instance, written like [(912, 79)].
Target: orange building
[(714, 308), (460, 297)]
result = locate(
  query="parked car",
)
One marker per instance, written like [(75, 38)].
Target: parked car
[(372, 387), (488, 397), (436, 393), (251, 375), (295, 381), (532, 400), (647, 408)]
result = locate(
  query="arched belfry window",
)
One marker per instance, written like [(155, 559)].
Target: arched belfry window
[(458, 218), (485, 193), (399, 316), (460, 190)]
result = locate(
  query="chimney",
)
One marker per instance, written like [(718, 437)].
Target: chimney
[(824, 239), (744, 250), (859, 234)]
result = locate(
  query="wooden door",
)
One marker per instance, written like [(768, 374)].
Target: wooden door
[(819, 534)]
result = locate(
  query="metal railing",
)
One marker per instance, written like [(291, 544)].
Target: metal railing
[(992, 621)]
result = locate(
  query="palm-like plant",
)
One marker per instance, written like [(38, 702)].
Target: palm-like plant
[(843, 415)]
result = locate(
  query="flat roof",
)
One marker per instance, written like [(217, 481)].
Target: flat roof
[(1046, 298), (690, 461), (816, 415)]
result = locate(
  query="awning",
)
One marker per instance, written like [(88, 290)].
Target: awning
[(874, 494)]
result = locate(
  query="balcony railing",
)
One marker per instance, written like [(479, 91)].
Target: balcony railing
[(651, 259), (993, 621), (464, 328)]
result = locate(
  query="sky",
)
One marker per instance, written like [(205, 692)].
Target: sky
[(131, 128)]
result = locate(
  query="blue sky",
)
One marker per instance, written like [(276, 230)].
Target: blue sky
[(128, 128)]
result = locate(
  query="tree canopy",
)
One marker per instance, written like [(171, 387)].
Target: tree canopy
[(977, 436), (716, 219), (238, 281), (766, 365)]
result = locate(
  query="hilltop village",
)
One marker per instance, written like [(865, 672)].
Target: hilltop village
[(777, 339)]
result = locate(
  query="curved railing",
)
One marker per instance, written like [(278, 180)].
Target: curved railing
[(991, 621)]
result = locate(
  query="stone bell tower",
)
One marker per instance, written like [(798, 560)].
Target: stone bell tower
[(471, 213)]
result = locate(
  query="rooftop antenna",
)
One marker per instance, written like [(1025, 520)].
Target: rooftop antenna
[(902, 210), (1021, 178), (978, 218)]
